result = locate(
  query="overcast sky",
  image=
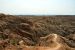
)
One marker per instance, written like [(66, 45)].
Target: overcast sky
[(38, 7)]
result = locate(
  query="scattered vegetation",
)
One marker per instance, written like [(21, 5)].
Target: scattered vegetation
[(30, 29)]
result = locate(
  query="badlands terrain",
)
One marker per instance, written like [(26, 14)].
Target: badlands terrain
[(19, 32)]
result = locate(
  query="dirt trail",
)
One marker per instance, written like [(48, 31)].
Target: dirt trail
[(58, 46), (45, 48)]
